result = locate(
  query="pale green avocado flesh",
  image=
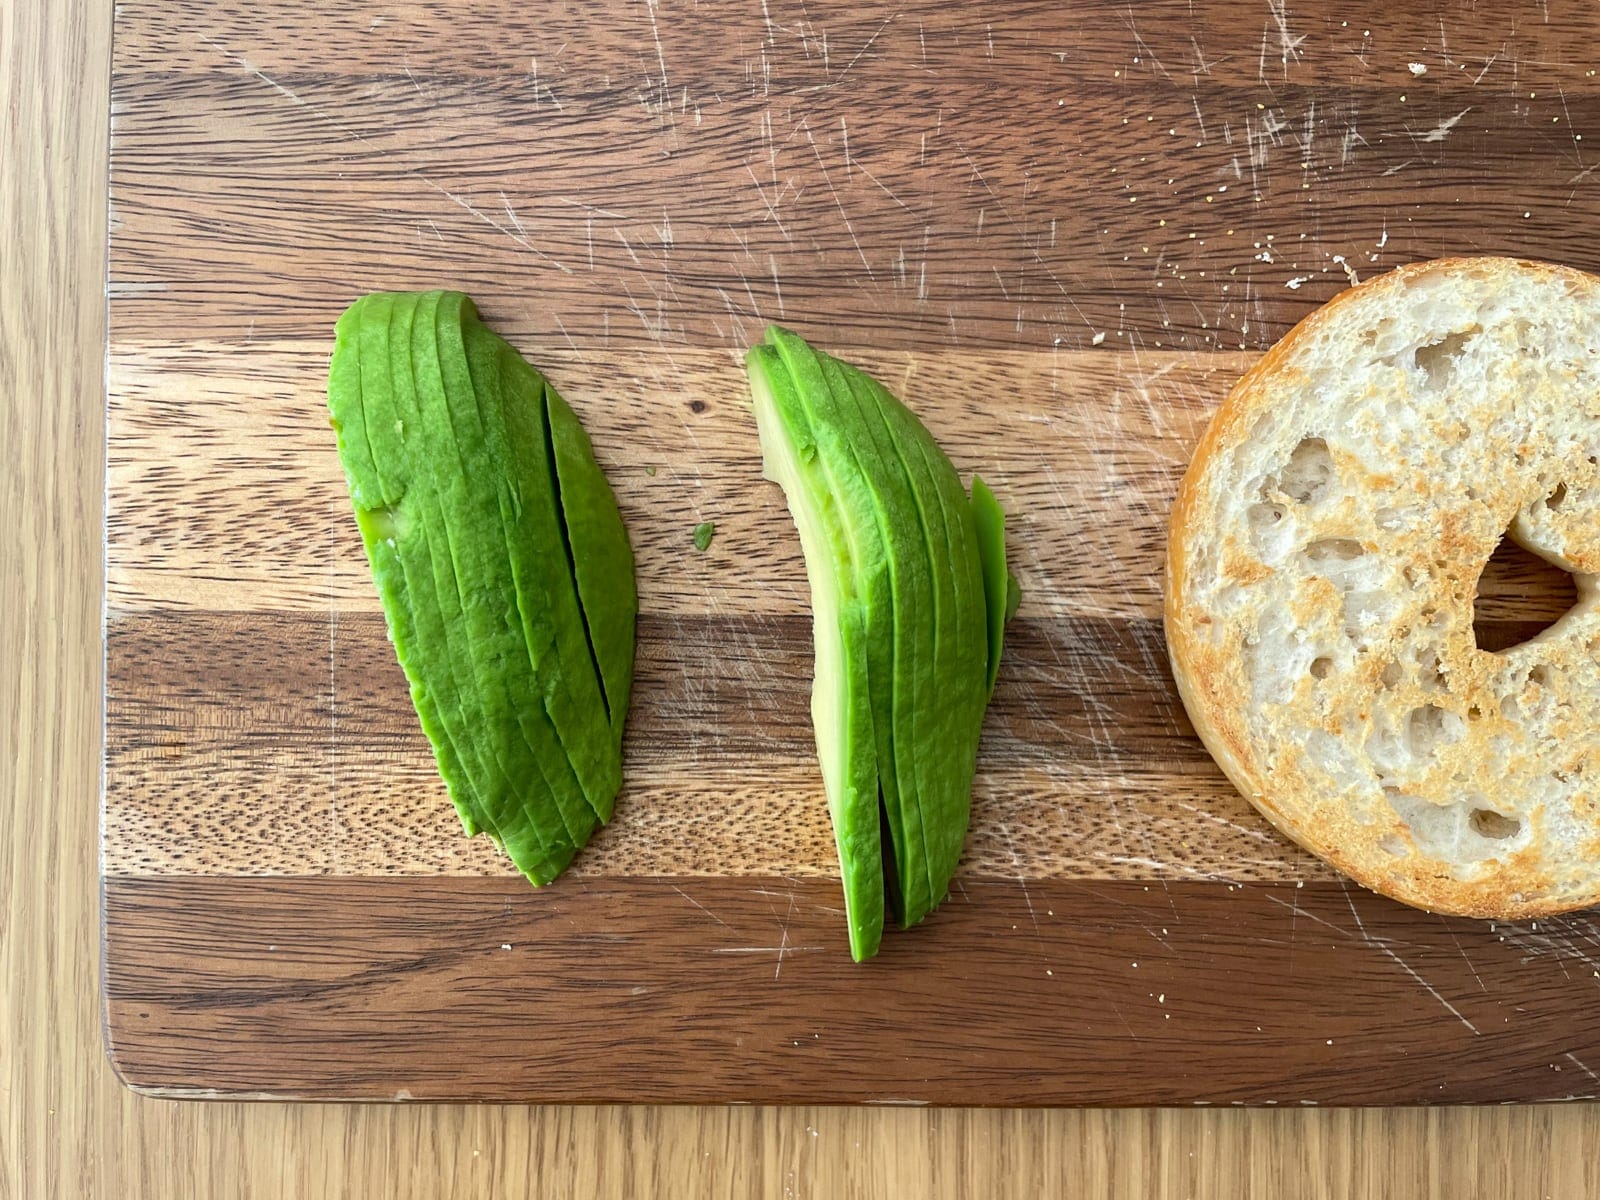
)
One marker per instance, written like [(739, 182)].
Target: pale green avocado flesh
[(1001, 593), (502, 565), (901, 565)]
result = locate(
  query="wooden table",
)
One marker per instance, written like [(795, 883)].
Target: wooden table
[(68, 1129)]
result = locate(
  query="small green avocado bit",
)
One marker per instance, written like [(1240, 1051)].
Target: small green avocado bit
[(909, 594), (502, 564)]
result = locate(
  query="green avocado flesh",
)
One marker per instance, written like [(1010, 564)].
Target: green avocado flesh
[(903, 580), (999, 586), (502, 565)]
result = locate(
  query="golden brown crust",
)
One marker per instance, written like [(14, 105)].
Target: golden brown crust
[(1204, 651)]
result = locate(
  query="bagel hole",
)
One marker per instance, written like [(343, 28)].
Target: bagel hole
[(1393, 676), (1321, 667), (1519, 596), (1556, 498)]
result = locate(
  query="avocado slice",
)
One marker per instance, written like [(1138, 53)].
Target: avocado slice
[(363, 385), (511, 401), (892, 555), (1001, 593), (499, 606), (908, 626), (602, 559), (845, 436), (950, 749), (402, 533), (950, 745), (441, 433), (841, 710)]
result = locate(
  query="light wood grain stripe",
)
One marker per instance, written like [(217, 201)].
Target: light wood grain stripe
[(226, 491), (276, 744), (226, 494)]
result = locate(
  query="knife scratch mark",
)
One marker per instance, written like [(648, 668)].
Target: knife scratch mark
[(1383, 944), (1582, 1066), (839, 204), (387, 156), (701, 907)]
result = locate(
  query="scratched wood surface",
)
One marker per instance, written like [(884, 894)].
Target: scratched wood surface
[(1060, 231)]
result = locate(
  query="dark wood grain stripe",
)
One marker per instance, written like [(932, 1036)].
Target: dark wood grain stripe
[(1234, 43), (890, 203), (694, 990)]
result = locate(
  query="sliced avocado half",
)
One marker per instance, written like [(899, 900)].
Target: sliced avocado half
[(483, 518), (841, 711), (893, 582), (900, 624)]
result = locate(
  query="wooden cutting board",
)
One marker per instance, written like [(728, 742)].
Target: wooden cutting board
[(1060, 231)]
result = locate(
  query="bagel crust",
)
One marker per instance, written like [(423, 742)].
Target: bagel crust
[(1325, 551)]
